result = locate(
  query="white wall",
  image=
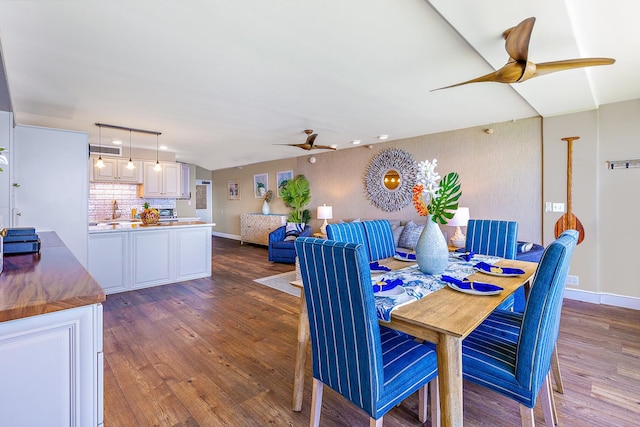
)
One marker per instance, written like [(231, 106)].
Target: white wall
[(52, 170)]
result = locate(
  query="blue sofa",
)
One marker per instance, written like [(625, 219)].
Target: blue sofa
[(281, 250)]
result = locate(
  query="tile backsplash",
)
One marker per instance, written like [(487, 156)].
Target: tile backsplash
[(102, 195)]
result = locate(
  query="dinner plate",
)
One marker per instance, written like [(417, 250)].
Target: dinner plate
[(491, 273), (403, 258), (473, 291), (398, 290)]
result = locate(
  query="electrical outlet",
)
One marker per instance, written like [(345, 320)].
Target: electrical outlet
[(573, 280), (547, 207), (558, 207)]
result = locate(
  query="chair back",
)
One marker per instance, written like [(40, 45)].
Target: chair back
[(541, 318), (343, 325), (380, 240), (352, 232), (492, 237)]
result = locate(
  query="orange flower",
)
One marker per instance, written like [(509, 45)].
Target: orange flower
[(418, 201)]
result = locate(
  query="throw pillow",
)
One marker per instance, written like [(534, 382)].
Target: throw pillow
[(292, 230), (410, 234), (524, 247), (397, 231)]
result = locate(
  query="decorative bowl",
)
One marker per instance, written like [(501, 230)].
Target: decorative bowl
[(150, 216)]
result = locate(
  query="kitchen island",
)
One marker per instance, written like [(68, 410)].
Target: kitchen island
[(51, 361), (127, 256)]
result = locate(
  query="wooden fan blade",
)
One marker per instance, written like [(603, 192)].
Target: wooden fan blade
[(568, 64), (321, 147), (303, 146), (311, 138), (509, 73), (517, 39)]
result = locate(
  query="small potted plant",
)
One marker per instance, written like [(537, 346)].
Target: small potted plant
[(149, 215)]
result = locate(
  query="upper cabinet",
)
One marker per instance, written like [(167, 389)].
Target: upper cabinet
[(164, 183), (115, 170), (185, 181)]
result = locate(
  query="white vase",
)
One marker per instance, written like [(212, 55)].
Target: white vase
[(265, 208), (432, 252)]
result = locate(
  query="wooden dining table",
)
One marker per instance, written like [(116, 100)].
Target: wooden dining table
[(444, 317)]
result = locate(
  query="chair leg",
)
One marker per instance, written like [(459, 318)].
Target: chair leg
[(316, 403), (423, 394), (555, 368), (434, 394), (544, 395), (375, 423), (553, 400), (526, 415)]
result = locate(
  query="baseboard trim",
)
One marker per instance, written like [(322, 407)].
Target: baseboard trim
[(602, 298), (226, 235)]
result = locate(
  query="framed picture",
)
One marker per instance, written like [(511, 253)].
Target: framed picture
[(283, 176), (233, 190), (260, 185)]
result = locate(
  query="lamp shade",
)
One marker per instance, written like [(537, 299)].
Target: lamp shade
[(325, 212), (460, 219)]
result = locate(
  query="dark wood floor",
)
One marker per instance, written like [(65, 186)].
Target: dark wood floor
[(220, 351)]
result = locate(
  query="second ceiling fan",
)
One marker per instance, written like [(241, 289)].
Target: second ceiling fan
[(519, 68)]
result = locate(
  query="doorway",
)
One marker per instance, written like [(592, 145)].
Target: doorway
[(204, 205)]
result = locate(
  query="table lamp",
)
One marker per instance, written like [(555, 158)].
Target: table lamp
[(460, 219), (324, 212)]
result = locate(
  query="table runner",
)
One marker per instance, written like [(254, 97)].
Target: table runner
[(417, 284)]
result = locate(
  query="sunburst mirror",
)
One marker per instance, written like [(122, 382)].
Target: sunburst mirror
[(389, 179)]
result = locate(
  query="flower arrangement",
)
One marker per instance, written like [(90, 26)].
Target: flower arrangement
[(268, 195), (432, 198)]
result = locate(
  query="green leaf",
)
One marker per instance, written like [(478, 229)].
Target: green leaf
[(296, 194), (444, 206)]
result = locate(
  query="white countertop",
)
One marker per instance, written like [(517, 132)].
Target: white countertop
[(138, 226)]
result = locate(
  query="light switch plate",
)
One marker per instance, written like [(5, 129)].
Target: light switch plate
[(558, 207)]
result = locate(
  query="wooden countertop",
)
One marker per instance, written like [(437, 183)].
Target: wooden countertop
[(53, 280)]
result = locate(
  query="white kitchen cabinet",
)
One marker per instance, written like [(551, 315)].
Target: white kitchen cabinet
[(141, 257), (109, 261), (193, 253), (164, 183), (185, 181), (153, 258), (51, 367), (115, 170)]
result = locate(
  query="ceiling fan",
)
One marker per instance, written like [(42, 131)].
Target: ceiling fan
[(519, 68), (309, 143)]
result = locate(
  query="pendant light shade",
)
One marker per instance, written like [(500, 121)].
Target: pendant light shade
[(157, 167), (100, 162), (130, 164)]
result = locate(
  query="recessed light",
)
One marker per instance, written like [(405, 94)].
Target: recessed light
[(382, 137), (356, 141), (117, 142), (334, 146), (163, 147)]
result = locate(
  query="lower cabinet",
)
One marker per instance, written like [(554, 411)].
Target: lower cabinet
[(51, 367), (122, 261)]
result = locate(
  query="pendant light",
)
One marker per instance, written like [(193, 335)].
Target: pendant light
[(100, 162), (130, 165), (157, 167)]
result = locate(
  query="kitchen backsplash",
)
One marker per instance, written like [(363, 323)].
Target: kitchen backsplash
[(102, 195)]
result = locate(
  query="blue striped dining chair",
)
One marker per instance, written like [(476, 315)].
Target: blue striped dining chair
[(380, 240), (370, 365), (497, 238), (518, 366)]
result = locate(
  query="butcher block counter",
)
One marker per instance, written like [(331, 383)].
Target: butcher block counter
[(50, 340), (53, 280)]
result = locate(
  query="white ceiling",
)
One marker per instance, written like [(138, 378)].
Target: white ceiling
[(224, 81)]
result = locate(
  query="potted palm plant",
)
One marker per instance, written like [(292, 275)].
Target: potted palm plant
[(296, 194)]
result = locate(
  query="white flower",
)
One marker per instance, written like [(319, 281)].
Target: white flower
[(428, 177)]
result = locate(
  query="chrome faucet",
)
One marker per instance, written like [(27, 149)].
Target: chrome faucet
[(115, 208)]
